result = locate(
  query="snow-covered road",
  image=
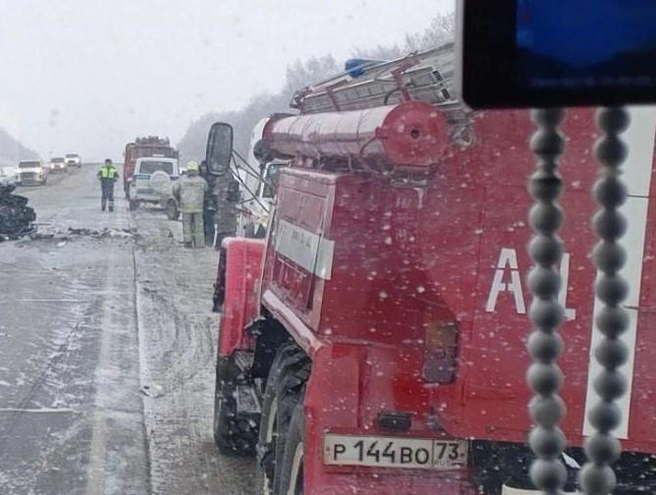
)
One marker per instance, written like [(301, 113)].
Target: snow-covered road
[(107, 348)]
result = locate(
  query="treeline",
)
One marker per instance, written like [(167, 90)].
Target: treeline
[(299, 75), (11, 151)]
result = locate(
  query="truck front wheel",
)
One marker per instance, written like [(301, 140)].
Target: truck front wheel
[(233, 435)]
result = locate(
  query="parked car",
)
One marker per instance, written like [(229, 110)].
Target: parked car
[(33, 172), (58, 165), (10, 175), (73, 160), (139, 185)]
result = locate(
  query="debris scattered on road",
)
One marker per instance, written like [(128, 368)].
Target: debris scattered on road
[(154, 391), (41, 236), (106, 232), (72, 233)]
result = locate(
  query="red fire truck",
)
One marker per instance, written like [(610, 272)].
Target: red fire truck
[(141, 147), (374, 342)]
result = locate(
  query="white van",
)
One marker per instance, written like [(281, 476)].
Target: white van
[(141, 190)]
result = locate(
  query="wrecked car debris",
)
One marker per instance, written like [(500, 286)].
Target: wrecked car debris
[(16, 218)]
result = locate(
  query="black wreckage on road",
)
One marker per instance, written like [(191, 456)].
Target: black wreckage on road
[(16, 218)]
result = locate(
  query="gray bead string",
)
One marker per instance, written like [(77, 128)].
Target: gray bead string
[(545, 344), (597, 476)]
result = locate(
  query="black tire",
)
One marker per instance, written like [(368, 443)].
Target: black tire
[(286, 377), (291, 470), (172, 212), (218, 298), (133, 204), (233, 435), (268, 434)]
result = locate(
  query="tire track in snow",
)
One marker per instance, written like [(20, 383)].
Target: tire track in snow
[(101, 479), (177, 334)]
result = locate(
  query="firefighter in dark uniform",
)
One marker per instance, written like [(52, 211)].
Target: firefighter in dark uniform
[(209, 204), (108, 175)]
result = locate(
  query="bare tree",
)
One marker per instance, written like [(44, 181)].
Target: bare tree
[(12, 151), (300, 75)]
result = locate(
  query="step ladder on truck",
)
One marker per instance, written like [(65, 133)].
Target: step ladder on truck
[(374, 341), (257, 175)]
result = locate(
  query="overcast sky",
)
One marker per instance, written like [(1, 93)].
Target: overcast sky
[(89, 75)]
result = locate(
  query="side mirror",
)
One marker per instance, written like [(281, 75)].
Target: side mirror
[(219, 149)]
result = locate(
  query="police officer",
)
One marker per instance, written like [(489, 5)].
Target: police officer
[(107, 175), (189, 190)]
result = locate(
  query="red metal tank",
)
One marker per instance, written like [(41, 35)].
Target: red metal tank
[(410, 136)]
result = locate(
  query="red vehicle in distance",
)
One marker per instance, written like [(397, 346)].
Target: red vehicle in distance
[(144, 147)]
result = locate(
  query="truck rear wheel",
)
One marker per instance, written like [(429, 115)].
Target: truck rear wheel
[(287, 376), (291, 470), (235, 433)]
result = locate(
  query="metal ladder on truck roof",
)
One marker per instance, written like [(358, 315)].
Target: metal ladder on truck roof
[(426, 76)]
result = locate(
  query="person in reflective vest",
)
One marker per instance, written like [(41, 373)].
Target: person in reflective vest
[(189, 190), (107, 175)]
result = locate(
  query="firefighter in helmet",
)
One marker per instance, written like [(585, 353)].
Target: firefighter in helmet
[(189, 190), (108, 175), (209, 204)]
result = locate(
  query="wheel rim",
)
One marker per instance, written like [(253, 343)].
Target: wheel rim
[(218, 405), (217, 415), (271, 421), (296, 477)]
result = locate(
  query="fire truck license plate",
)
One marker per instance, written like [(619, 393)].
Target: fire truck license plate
[(416, 453)]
